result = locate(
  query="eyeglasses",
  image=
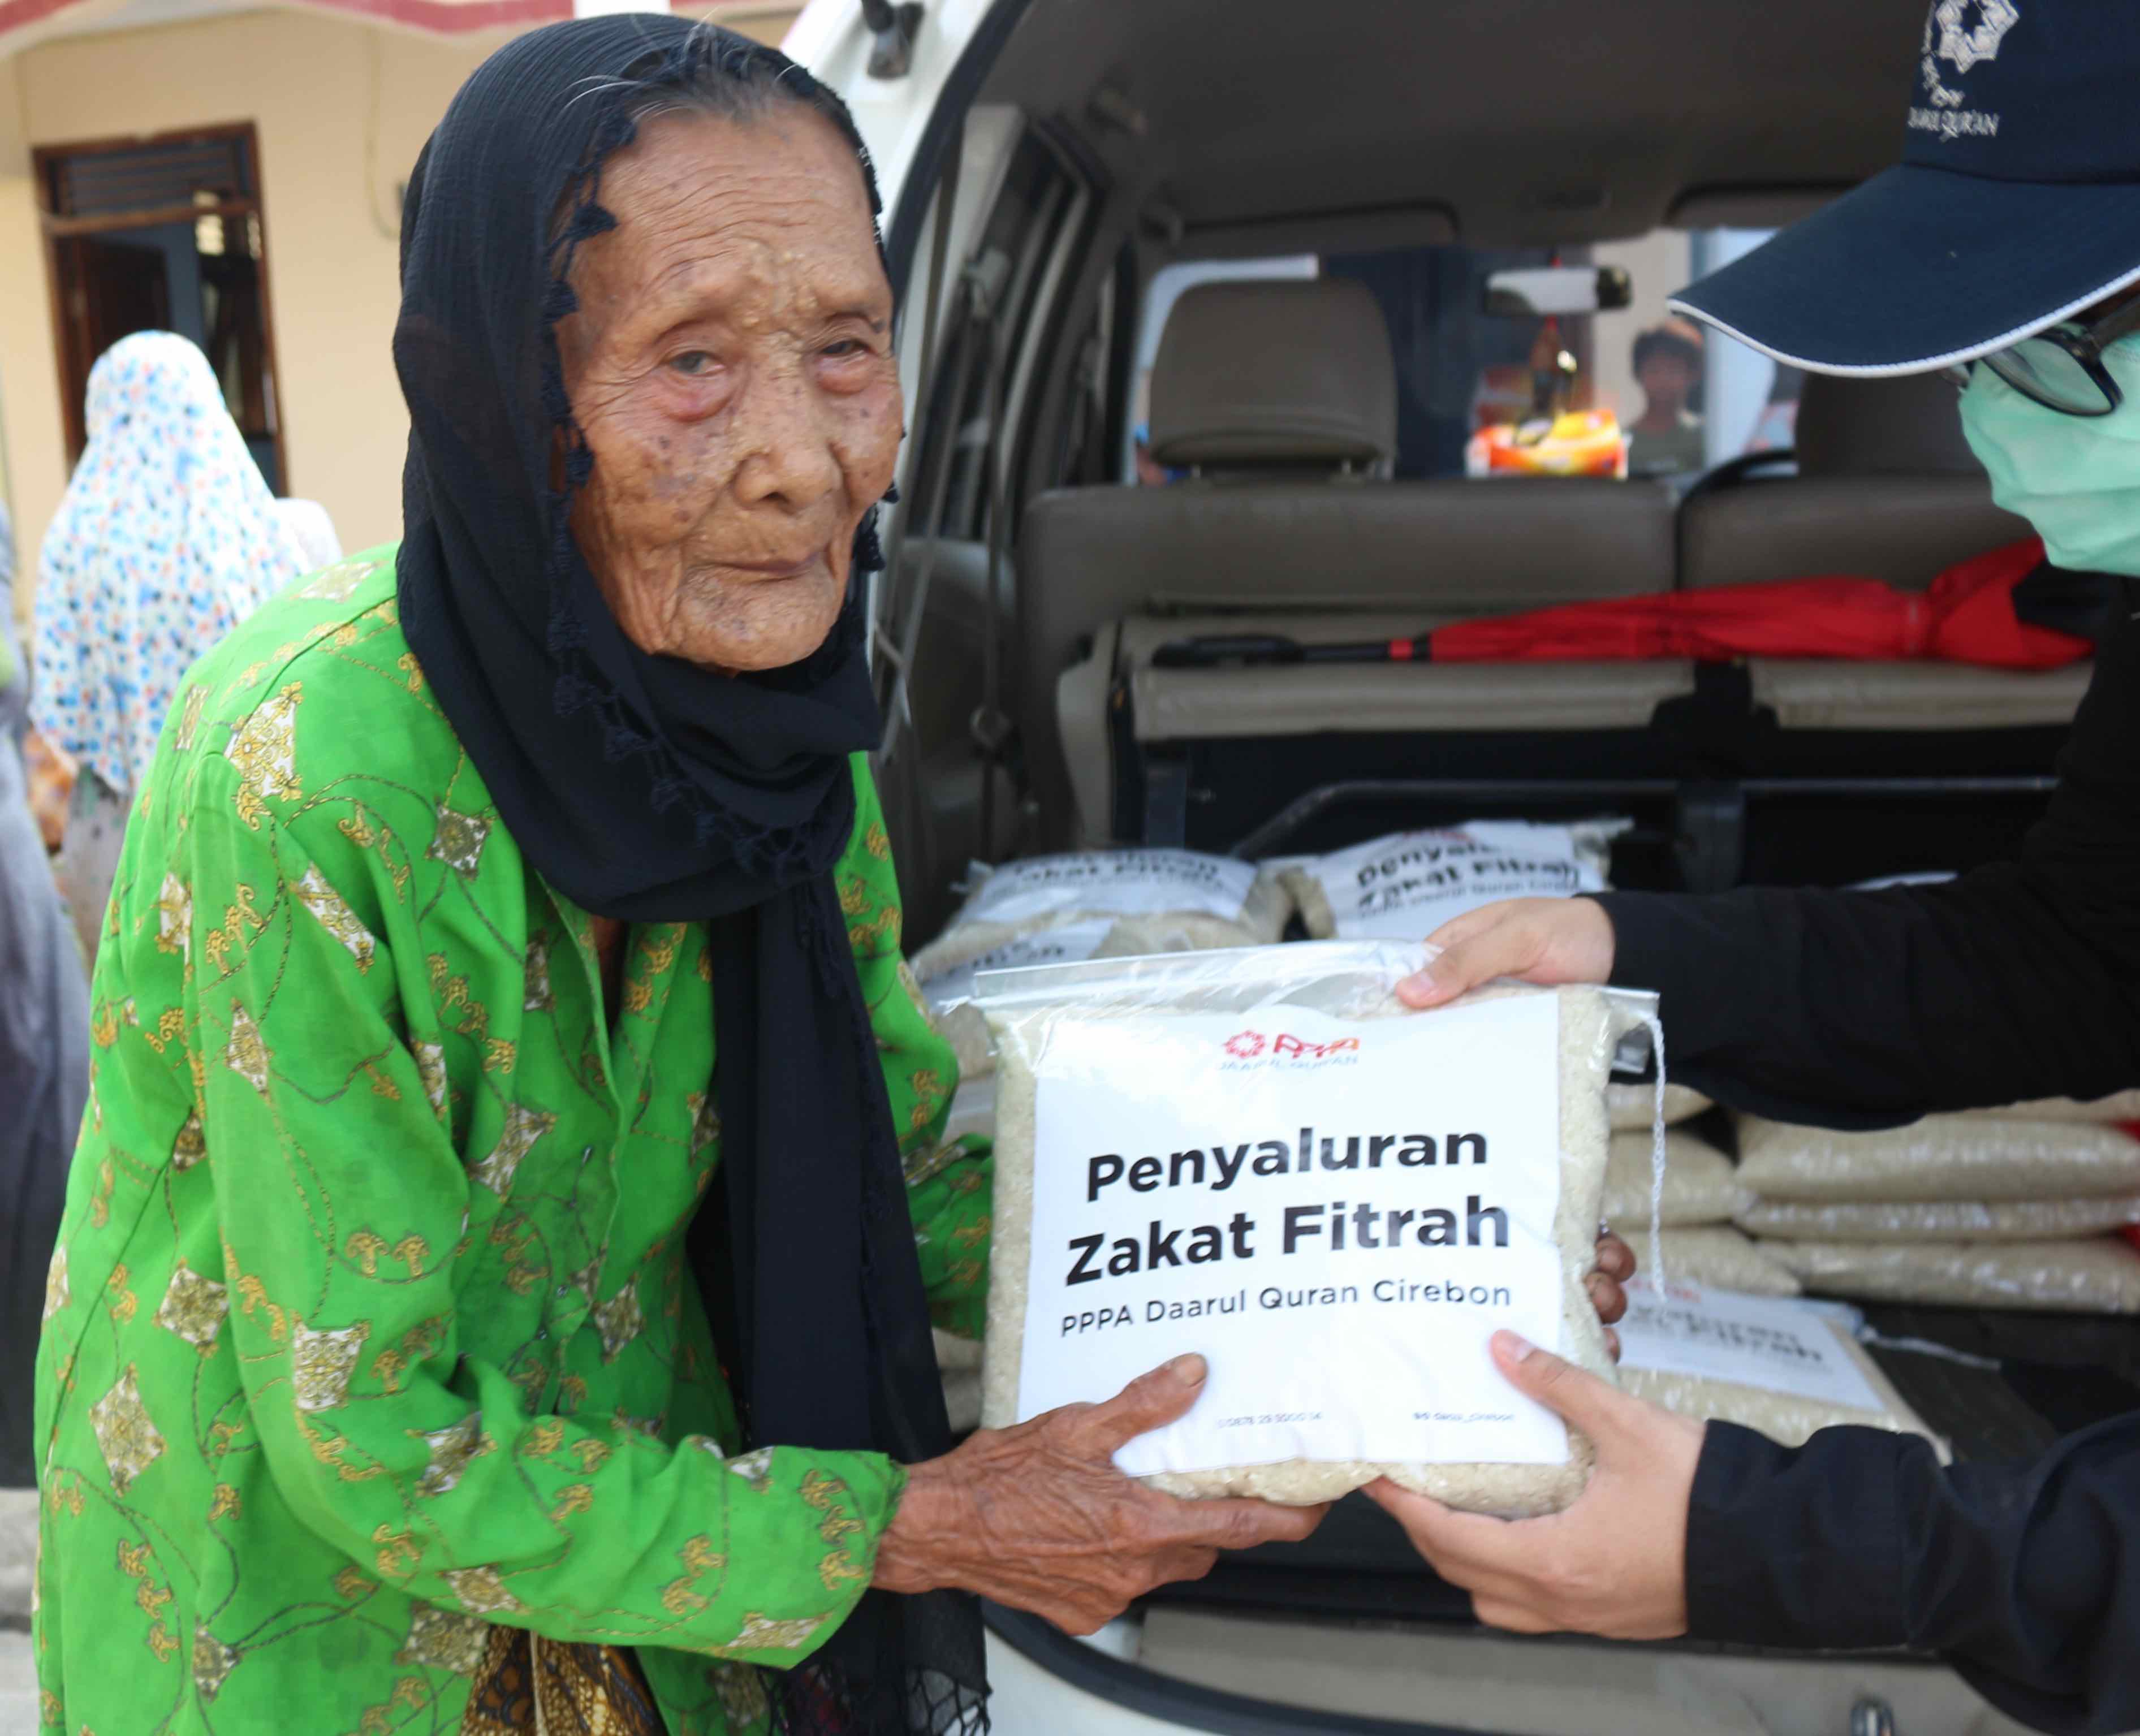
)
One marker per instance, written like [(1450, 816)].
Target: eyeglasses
[(2062, 368)]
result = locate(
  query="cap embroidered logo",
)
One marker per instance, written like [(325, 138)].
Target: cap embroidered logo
[(1965, 42), (1963, 32)]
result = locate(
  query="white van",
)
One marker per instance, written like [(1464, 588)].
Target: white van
[(1205, 305)]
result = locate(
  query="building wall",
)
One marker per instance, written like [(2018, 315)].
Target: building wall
[(342, 111)]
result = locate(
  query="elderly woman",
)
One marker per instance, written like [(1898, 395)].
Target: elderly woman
[(166, 539), (496, 1285)]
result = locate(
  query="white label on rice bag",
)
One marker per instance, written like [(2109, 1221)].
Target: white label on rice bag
[(1773, 1342), (1073, 944), (1336, 1213), (1126, 882), (1406, 887)]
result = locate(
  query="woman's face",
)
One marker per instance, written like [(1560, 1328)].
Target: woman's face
[(731, 366)]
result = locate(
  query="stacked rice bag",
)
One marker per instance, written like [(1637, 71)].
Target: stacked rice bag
[(2015, 1208)]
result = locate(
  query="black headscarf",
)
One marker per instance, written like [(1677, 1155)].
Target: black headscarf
[(648, 789)]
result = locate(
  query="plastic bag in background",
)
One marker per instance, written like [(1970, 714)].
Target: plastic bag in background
[(1776, 1365), (972, 1108), (1064, 910), (1967, 1157), (1630, 1105), (1214, 900), (1940, 1221), (1719, 1257), (1261, 1156), (1700, 1184), (2119, 1107), (2099, 1275), (1405, 886)]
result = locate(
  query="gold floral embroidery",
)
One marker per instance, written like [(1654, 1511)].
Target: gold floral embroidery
[(189, 714), (125, 1432), (431, 1069), (441, 1639), (522, 1127), (452, 1448), (335, 915), (174, 914), (337, 583), (620, 1321), (536, 993), (56, 1282), (839, 1569), (137, 1562), (480, 1591), (323, 1362), (193, 1308), (247, 1054), (762, 1633), (212, 1661), (706, 1119), (264, 749), (460, 839)]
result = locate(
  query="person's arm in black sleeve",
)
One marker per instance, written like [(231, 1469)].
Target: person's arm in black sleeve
[(2025, 1577), (2020, 980)]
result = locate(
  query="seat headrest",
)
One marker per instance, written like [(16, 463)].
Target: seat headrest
[(1285, 373), (1910, 425)]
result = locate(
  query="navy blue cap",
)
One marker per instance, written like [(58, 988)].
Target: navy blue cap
[(2016, 204)]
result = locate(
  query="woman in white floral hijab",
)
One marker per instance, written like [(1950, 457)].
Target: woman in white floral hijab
[(167, 537)]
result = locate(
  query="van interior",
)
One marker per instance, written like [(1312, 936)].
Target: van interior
[(1198, 334)]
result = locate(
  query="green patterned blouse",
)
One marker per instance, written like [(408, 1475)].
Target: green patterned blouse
[(369, 1325)]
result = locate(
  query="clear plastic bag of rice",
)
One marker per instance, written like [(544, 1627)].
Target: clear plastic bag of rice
[(1784, 1367), (2097, 1275), (1064, 909), (1700, 1184), (1262, 1156), (2119, 1107), (1940, 1221), (1405, 886), (1631, 1104), (1720, 1257), (1941, 1157)]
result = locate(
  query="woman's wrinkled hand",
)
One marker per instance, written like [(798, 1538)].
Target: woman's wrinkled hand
[(1615, 1562), (1546, 940), (1037, 1516), (1616, 1265)]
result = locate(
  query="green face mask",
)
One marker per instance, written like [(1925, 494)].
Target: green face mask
[(2075, 478)]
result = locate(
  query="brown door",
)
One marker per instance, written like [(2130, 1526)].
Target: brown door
[(123, 288)]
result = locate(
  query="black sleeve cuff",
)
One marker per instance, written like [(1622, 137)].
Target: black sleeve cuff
[(1798, 1547), (1685, 948)]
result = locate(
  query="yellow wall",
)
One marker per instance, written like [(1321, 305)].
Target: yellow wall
[(341, 109), (29, 386)]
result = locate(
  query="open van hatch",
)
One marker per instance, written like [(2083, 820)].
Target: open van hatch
[(1056, 174)]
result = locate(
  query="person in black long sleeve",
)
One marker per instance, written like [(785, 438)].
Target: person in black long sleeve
[(2008, 243)]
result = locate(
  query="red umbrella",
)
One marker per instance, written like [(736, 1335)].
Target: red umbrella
[(1967, 616)]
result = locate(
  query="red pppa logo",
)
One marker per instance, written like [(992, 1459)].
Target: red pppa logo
[(1249, 1044)]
